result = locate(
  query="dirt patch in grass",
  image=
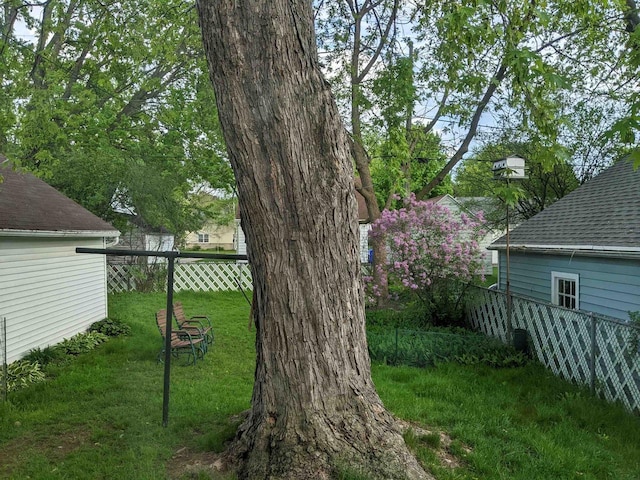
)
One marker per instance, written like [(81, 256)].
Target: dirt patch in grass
[(447, 451), (186, 463), (55, 447)]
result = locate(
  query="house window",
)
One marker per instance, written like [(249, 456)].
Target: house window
[(565, 290), (203, 238)]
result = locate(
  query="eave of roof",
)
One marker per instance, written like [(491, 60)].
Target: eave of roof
[(7, 232), (582, 250)]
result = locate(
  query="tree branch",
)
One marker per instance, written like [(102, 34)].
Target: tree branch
[(11, 14), (464, 148), (37, 74), (381, 43), (631, 17)]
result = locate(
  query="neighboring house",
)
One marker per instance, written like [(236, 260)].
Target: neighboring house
[(219, 231), (240, 244), (583, 251), (151, 239), (212, 236), (463, 205), (48, 292)]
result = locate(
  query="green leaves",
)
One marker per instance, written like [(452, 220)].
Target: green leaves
[(21, 374), (395, 91), (111, 103), (550, 177)]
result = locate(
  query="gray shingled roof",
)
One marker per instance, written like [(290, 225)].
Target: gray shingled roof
[(28, 203), (604, 212)]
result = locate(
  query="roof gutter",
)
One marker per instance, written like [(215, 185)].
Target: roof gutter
[(586, 250), (5, 232)]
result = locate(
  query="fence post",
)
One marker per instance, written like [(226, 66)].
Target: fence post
[(509, 331), (592, 360)]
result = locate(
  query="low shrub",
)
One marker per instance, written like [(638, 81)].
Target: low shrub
[(438, 345), (110, 327), (28, 370), (82, 342), (22, 374), (45, 356), (442, 306), (410, 315), (149, 277)]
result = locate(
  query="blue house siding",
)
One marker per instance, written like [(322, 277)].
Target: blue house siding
[(608, 286)]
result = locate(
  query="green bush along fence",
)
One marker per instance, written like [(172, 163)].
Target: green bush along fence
[(585, 348), (423, 348)]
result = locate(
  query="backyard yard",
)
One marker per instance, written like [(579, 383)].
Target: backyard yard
[(100, 415)]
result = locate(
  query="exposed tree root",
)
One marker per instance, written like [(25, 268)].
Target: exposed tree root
[(324, 451), (187, 463)]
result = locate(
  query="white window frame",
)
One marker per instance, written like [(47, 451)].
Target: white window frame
[(204, 236), (555, 294)]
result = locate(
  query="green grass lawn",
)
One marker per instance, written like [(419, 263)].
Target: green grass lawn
[(99, 416)]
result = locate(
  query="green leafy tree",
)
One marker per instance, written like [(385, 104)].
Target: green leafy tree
[(403, 162), (548, 180), (407, 155), (512, 59), (627, 127), (109, 102), (356, 35), (489, 61)]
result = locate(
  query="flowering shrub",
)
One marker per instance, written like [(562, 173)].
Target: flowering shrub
[(428, 248)]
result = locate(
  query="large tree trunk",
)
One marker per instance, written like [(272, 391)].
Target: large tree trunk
[(314, 406)]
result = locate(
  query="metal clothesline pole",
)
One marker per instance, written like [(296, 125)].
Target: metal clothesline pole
[(170, 255)]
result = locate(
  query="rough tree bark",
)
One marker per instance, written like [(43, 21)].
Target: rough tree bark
[(314, 406)]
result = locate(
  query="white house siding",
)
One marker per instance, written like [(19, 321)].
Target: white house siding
[(239, 241), (364, 242), (48, 292), (157, 242), (608, 286)]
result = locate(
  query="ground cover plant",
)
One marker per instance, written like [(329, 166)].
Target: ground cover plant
[(405, 335), (99, 415), (29, 369), (430, 347)]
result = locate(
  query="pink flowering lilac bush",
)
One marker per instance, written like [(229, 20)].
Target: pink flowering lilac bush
[(431, 253)]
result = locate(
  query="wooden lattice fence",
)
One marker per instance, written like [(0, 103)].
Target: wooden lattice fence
[(585, 348), (199, 277)]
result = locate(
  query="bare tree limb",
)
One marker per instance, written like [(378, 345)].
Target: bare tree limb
[(473, 127), (381, 43)]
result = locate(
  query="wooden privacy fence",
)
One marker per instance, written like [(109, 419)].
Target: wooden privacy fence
[(585, 348), (198, 277)]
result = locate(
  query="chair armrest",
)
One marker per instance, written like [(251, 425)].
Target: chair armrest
[(189, 325), (200, 318), (183, 335)]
